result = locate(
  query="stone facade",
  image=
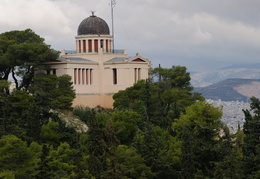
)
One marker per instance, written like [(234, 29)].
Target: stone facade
[(97, 70)]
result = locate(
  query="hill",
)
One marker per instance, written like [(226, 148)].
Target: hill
[(204, 79), (235, 89)]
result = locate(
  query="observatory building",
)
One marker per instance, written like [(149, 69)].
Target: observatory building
[(98, 71)]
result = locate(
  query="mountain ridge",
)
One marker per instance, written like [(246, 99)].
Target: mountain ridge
[(203, 79), (233, 89)]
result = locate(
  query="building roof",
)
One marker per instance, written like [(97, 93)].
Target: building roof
[(117, 59), (135, 59), (76, 59), (93, 25)]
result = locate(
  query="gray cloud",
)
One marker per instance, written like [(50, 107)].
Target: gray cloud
[(199, 34)]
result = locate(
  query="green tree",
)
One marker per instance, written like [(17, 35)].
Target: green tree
[(58, 90), (21, 100), (251, 147), (61, 162), (7, 175), (23, 115), (231, 166), (201, 131), (35, 116), (132, 165), (43, 167), (21, 53), (175, 77), (17, 158), (160, 99), (6, 109), (230, 147), (176, 90), (96, 145), (125, 124), (160, 151), (50, 133), (84, 113), (111, 164)]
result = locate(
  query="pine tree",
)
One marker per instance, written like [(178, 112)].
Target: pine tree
[(96, 146), (251, 149)]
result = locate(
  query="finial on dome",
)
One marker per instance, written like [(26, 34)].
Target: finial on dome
[(93, 13)]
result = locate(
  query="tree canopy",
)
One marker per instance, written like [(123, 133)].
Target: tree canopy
[(251, 147), (161, 98), (21, 53)]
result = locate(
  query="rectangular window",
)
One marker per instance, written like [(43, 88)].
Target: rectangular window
[(90, 76), (83, 76), (79, 76), (114, 76), (75, 75)]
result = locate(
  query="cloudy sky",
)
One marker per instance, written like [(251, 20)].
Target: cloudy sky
[(202, 35)]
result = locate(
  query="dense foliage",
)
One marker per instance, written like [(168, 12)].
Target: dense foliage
[(158, 128), (21, 53), (251, 147)]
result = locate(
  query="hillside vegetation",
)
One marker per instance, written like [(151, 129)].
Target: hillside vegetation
[(159, 127)]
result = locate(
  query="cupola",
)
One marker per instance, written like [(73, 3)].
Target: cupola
[(93, 25), (93, 36)]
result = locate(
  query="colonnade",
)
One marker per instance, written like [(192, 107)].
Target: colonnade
[(94, 45), (83, 76)]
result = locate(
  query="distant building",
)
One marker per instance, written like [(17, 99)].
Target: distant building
[(98, 71)]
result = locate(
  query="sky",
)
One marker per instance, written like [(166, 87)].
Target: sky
[(202, 35)]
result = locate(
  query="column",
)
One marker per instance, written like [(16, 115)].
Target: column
[(108, 46), (93, 46), (87, 50), (100, 47), (82, 46), (79, 46), (105, 45), (139, 73)]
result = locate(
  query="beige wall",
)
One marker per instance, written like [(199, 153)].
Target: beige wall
[(106, 101), (102, 88)]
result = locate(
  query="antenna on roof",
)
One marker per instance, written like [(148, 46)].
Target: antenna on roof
[(113, 3)]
